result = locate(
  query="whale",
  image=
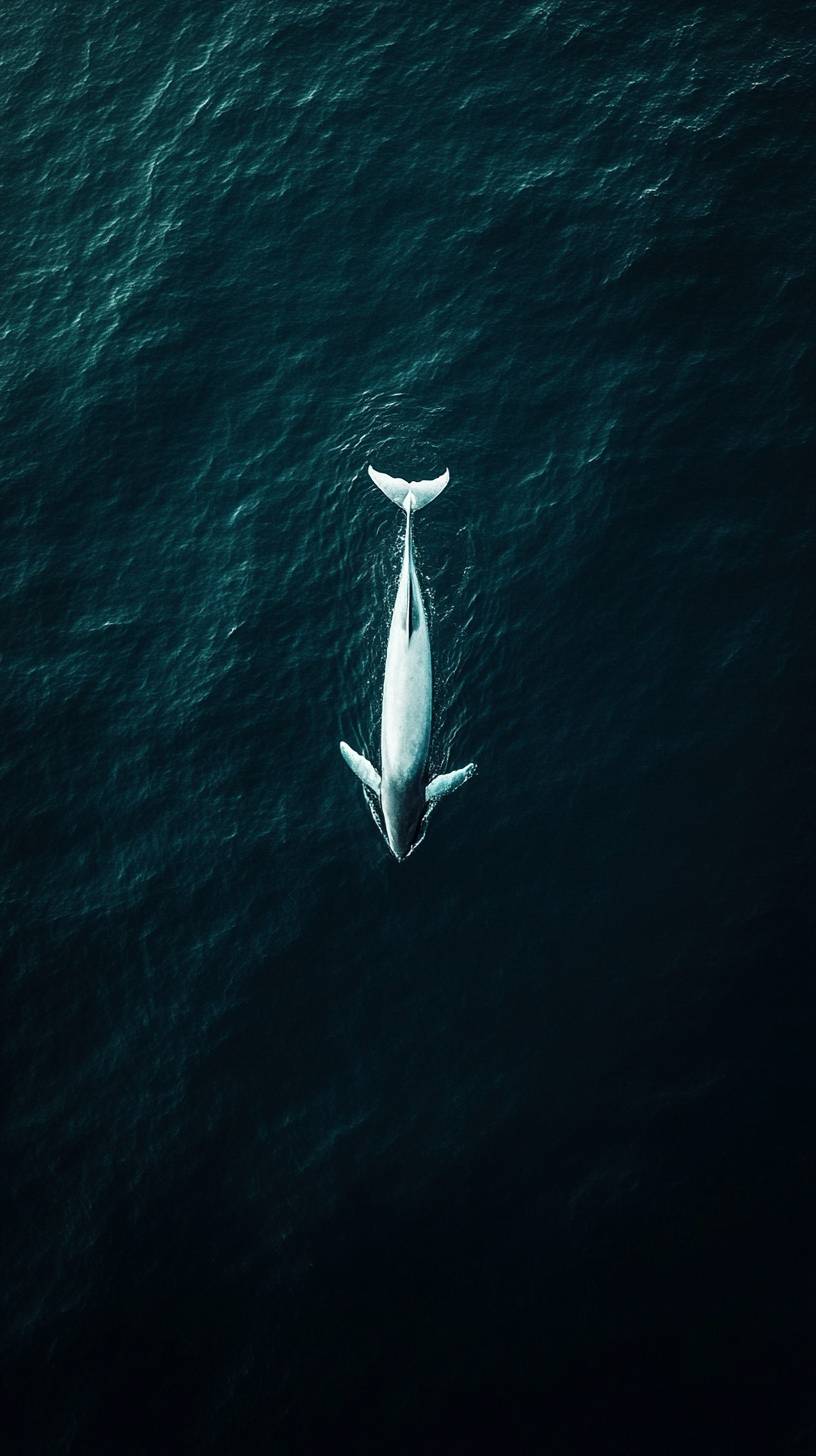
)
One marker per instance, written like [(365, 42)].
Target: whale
[(401, 787)]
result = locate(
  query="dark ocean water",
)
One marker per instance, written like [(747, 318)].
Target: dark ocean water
[(509, 1147)]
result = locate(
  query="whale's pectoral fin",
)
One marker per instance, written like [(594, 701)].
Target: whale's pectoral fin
[(446, 783), (361, 767)]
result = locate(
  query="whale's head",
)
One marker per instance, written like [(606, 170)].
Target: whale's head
[(401, 843), (403, 810)]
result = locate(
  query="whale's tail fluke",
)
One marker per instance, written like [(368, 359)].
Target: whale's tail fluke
[(398, 491)]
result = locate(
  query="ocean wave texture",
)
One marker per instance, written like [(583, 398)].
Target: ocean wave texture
[(307, 1150)]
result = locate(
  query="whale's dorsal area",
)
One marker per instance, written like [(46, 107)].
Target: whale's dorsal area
[(397, 490), (410, 609)]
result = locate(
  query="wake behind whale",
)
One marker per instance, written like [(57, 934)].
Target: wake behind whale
[(407, 705)]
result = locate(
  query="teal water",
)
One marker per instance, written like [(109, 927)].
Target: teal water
[(507, 1147)]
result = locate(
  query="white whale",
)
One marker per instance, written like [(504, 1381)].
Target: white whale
[(407, 702)]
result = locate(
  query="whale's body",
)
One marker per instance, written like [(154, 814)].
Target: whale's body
[(407, 703)]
